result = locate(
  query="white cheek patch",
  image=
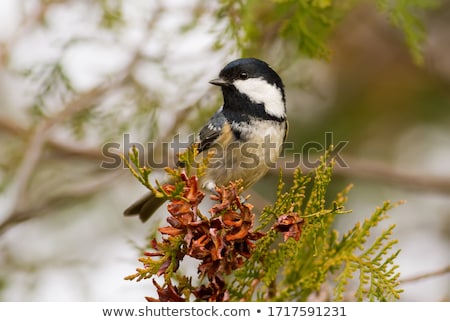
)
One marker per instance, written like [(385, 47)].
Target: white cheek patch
[(259, 91)]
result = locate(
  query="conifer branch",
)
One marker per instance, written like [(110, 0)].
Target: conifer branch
[(242, 263)]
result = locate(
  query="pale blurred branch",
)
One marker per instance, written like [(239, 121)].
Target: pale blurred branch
[(35, 147), (11, 127), (40, 135), (78, 191), (419, 277), (378, 171), (388, 174), (27, 22)]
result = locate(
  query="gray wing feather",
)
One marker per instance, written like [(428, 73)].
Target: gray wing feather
[(211, 131)]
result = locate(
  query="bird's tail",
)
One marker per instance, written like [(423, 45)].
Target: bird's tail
[(144, 207)]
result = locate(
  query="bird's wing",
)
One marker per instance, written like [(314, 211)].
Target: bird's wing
[(211, 131)]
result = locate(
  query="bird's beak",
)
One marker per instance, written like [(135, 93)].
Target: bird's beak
[(219, 82)]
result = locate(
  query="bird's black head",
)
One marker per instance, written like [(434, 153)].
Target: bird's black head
[(245, 68), (253, 80)]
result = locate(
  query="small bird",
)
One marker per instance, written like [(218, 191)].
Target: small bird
[(246, 133)]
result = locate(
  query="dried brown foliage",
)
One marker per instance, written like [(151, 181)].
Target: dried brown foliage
[(221, 242)]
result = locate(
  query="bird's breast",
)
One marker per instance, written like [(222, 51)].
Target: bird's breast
[(248, 158)]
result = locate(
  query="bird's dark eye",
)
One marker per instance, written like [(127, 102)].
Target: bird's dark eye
[(243, 75)]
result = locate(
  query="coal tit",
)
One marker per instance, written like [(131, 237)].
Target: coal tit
[(246, 133)]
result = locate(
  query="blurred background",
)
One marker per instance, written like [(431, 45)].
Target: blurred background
[(77, 75)]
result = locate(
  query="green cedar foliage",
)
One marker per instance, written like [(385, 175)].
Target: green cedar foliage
[(321, 260), (304, 26), (295, 254)]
